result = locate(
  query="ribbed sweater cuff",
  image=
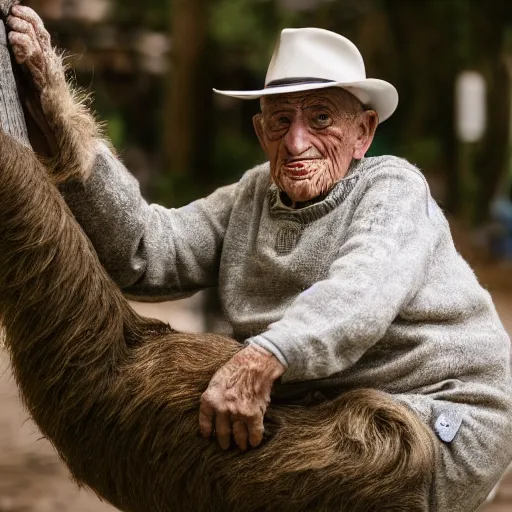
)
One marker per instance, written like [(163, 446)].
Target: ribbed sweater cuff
[(268, 345)]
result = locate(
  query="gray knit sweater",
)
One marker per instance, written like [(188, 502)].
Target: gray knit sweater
[(363, 289)]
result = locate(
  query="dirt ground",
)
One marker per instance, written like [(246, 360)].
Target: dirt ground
[(32, 479)]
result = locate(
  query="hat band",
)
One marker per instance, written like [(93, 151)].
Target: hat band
[(297, 81)]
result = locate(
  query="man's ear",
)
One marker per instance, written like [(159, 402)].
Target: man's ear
[(257, 122), (367, 127)]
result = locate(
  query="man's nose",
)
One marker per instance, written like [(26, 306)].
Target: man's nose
[(297, 138)]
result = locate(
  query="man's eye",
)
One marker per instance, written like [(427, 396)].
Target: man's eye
[(279, 123), (323, 118)]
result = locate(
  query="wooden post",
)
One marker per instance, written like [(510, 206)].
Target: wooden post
[(12, 120)]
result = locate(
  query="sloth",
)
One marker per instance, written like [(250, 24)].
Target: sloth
[(118, 394)]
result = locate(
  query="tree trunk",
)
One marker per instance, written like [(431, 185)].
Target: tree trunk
[(187, 111), (12, 120)]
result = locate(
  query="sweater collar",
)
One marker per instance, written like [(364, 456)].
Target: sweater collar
[(310, 213)]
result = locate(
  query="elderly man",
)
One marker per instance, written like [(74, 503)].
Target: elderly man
[(336, 271)]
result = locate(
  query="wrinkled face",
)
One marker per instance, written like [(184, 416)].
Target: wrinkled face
[(311, 138)]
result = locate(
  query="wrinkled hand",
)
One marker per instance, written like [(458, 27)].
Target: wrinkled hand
[(31, 45), (237, 398)]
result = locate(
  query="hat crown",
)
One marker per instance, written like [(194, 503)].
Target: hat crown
[(315, 53), (307, 59)]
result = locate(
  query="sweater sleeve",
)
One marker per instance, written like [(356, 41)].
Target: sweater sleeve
[(151, 252), (379, 268)]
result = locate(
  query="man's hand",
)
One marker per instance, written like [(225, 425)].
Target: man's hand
[(31, 45), (237, 398)]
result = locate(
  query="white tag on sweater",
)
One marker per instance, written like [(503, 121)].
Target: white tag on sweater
[(447, 426)]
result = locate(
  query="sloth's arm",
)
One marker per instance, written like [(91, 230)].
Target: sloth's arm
[(151, 252), (59, 110)]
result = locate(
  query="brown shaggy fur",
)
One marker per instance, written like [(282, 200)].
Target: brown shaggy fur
[(62, 130), (118, 394)]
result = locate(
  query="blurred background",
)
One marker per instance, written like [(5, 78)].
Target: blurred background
[(151, 67)]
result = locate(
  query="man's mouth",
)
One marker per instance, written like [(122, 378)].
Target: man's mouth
[(299, 168)]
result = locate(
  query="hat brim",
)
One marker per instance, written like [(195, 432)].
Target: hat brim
[(376, 94)]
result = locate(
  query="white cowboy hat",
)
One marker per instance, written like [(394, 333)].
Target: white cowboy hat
[(312, 58)]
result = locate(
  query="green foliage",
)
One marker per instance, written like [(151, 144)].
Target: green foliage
[(116, 129), (249, 27), (236, 22), (426, 150), (234, 153), (174, 190), (152, 14)]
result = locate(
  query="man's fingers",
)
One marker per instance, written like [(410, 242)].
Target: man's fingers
[(223, 429), (240, 434), (206, 413), (256, 430)]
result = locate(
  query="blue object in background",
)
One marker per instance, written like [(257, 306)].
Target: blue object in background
[(500, 243)]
